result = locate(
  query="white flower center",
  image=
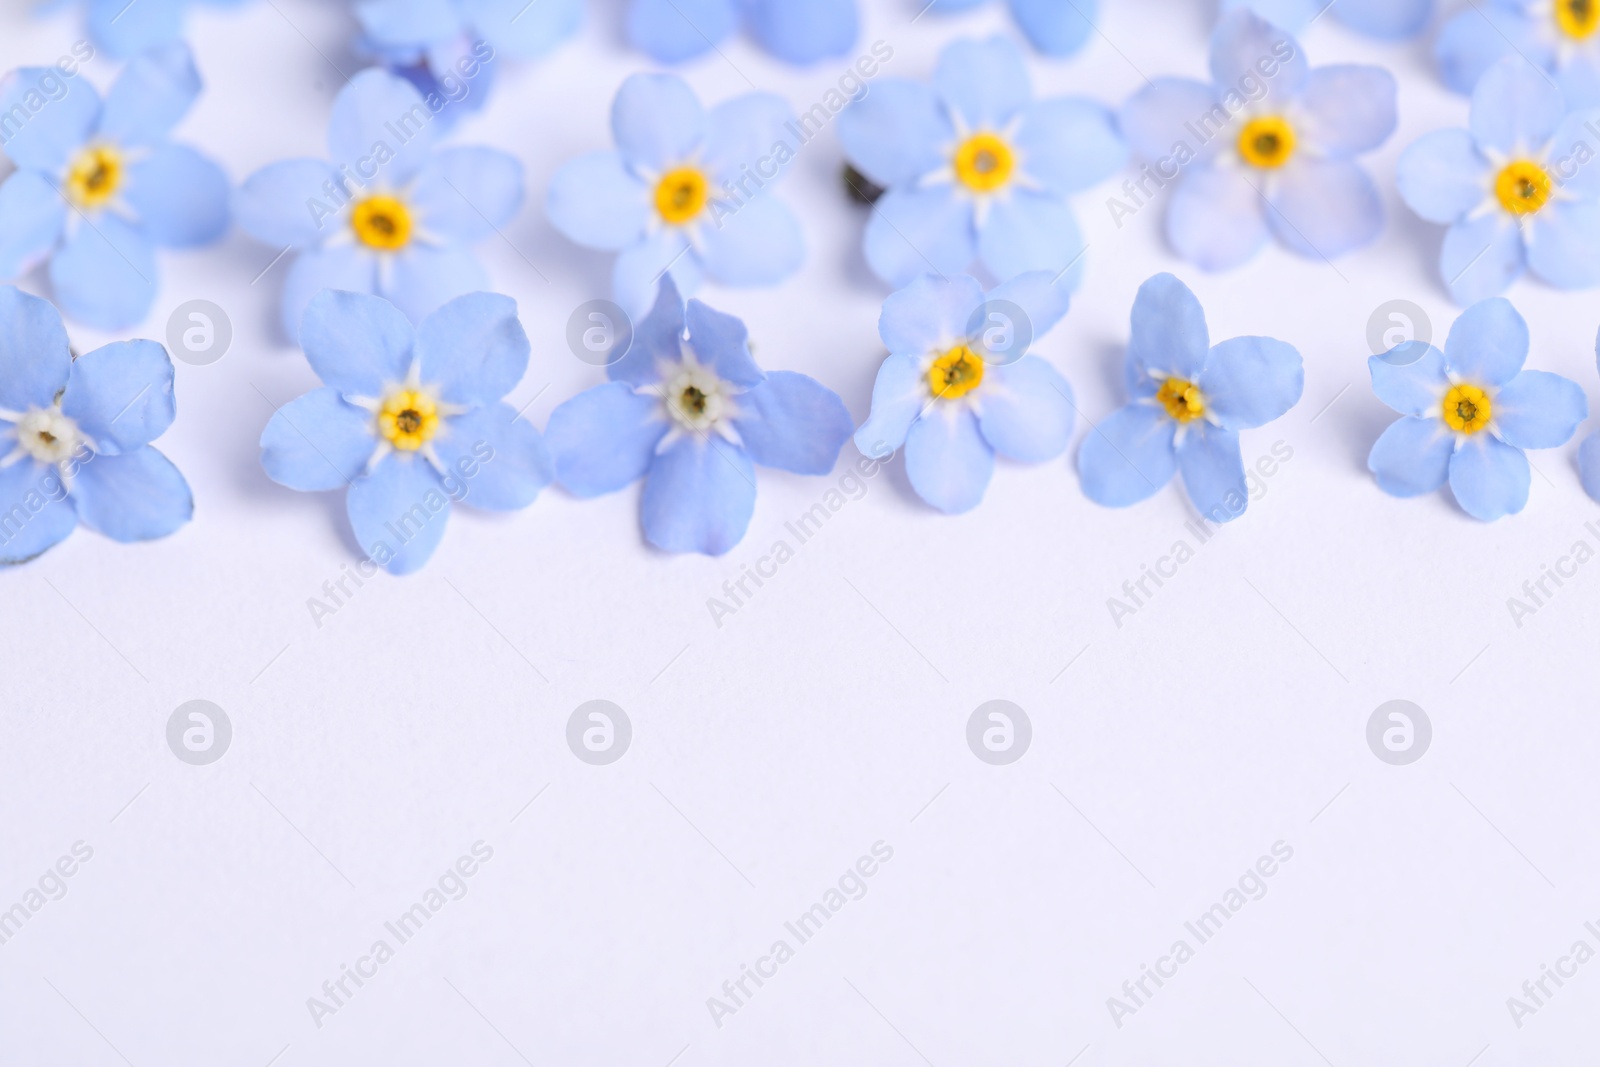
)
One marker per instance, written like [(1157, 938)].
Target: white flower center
[(47, 435), (696, 398)]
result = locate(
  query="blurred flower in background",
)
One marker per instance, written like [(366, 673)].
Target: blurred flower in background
[(1054, 27), (127, 27), (1561, 36), (1387, 19), (797, 31)]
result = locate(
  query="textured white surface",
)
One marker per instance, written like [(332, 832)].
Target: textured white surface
[(827, 715)]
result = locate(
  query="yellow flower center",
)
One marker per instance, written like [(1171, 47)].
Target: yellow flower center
[(682, 194), (1578, 19), (1466, 409), (94, 176), (984, 163), (1523, 187), (382, 222), (1183, 400), (1266, 142), (956, 373), (408, 419)]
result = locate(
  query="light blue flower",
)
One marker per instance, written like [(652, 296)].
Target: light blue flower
[(410, 419), (1267, 149), (1558, 35), (1469, 413), (689, 411), (388, 215), (1385, 19), (125, 29), (1055, 27), (75, 436), (1190, 400), (1589, 453), (959, 385), (975, 168), (1519, 190), (685, 191), (98, 186), (796, 31)]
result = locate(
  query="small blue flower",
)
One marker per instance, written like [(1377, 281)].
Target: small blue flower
[(1268, 148), (689, 411), (959, 386), (796, 31), (685, 191), (411, 419), (1469, 413), (975, 168), (125, 29), (1191, 399), (98, 186), (1055, 27), (75, 436), (388, 215), (1559, 35), (1384, 19), (1519, 189)]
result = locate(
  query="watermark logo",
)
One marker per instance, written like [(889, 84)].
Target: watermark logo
[(199, 733), (599, 733), (1399, 331), (199, 333), (1002, 330), (599, 333), (999, 732), (1399, 732)]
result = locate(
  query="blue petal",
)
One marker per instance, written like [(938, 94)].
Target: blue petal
[(343, 267), (1572, 148), (181, 197), (1325, 207), (1292, 15), (466, 194), (1563, 244), (523, 30), (741, 134), (597, 202), (1579, 79), (1412, 456), (135, 496), (1537, 409), (899, 394), (1070, 144), (1489, 477), (366, 112), (1029, 231), (604, 438), (1213, 471), (1247, 51), (722, 342), (399, 512), (1043, 301), (803, 31), (32, 216), (793, 423), (1215, 219), (1477, 38), (1386, 19), (1350, 108), (1589, 466), (493, 459), (59, 116), (947, 460), (1515, 108), (931, 315), (35, 359), (896, 133), (105, 273), (1128, 456), (1054, 27), (273, 203), (423, 279), (125, 29), (1027, 410), (657, 121), (402, 22), (34, 512), (1249, 381), (699, 497), (473, 350), (915, 231), (152, 93), (1481, 257), (357, 343), (1156, 119), (121, 395), (1169, 335), (983, 82), (758, 244), (639, 268), (657, 338), (1413, 386), (1442, 175), (1488, 343), (671, 31), (317, 442)]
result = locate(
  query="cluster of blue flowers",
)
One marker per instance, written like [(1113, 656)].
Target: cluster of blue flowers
[(967, 173)]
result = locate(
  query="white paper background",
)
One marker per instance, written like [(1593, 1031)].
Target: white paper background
[(830, 713)]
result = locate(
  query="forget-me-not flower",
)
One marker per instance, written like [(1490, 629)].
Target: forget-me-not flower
[(410, 419), (959, 385), (1268, 148), (689, 411), (1055, 27), (1561, 36), (1190, 400), (975, 168), (684, 191), (796, 31), (126, 28), (1386, 19), (98, 186), (75, 436), (1519, 190), (1469, 413), (387, 215)]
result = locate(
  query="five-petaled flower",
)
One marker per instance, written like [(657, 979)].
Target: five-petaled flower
[(1385, 19), (1561, 36), (125, 29), (1268, 148), (685, 192), (411, 419), (75, 436), (1469, 413), (959, 385), (1518, 189), (975, 168), (388, 215), (1191, 399), (796, 31), (1055, 27), (688, 410), (99, 186)]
